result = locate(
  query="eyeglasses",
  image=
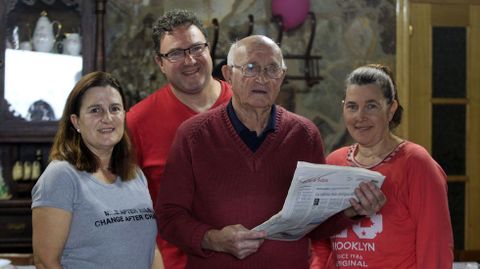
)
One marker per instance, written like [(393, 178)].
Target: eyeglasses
[(273, 71), (180, 54)]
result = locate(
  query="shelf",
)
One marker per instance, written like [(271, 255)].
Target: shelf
[(14, 204)]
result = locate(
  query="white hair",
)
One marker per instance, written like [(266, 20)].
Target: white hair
[(260, 38)]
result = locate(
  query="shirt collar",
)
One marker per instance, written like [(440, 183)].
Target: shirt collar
[(240, 127)]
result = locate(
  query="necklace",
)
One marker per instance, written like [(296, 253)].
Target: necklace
[(370, 161)]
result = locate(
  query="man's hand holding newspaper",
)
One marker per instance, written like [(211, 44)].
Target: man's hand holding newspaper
[(317, 192)]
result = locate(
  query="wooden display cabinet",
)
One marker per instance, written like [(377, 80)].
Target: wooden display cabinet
[(23, 138)]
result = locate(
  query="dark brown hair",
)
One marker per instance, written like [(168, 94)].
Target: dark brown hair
[(170, 20), (68, 144)]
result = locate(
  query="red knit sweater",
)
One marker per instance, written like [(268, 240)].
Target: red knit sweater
[(212, 179), (152, 124)]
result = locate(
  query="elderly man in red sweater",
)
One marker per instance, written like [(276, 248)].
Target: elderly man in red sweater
[(230, 169)]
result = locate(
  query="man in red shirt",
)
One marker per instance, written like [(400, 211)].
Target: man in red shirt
[(182, 53)]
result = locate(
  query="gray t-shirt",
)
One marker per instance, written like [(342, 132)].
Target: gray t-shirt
[(113, 225)]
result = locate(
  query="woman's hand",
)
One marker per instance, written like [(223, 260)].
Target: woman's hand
[(370, 200)]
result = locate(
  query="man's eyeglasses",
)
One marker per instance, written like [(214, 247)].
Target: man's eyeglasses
[(273, 71), (180, 54)]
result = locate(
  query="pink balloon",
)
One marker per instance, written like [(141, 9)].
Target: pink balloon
[(293, 12)]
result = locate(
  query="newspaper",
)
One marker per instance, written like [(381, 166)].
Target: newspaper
[(317, 192)]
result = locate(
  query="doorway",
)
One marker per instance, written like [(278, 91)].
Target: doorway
[(439, 61)]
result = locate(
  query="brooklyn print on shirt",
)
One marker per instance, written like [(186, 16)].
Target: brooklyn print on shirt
[(352, 253)]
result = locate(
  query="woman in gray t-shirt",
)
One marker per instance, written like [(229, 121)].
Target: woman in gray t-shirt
[(91, 207)]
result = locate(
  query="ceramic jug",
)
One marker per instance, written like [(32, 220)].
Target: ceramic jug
[(43, 35), (72, 44)]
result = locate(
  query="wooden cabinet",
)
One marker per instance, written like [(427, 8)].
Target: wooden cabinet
[(15, 226), (23, 138)]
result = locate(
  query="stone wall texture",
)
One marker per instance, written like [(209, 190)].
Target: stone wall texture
[(349, 33)]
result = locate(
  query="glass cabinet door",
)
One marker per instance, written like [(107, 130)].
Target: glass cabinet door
[(45, 48)]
